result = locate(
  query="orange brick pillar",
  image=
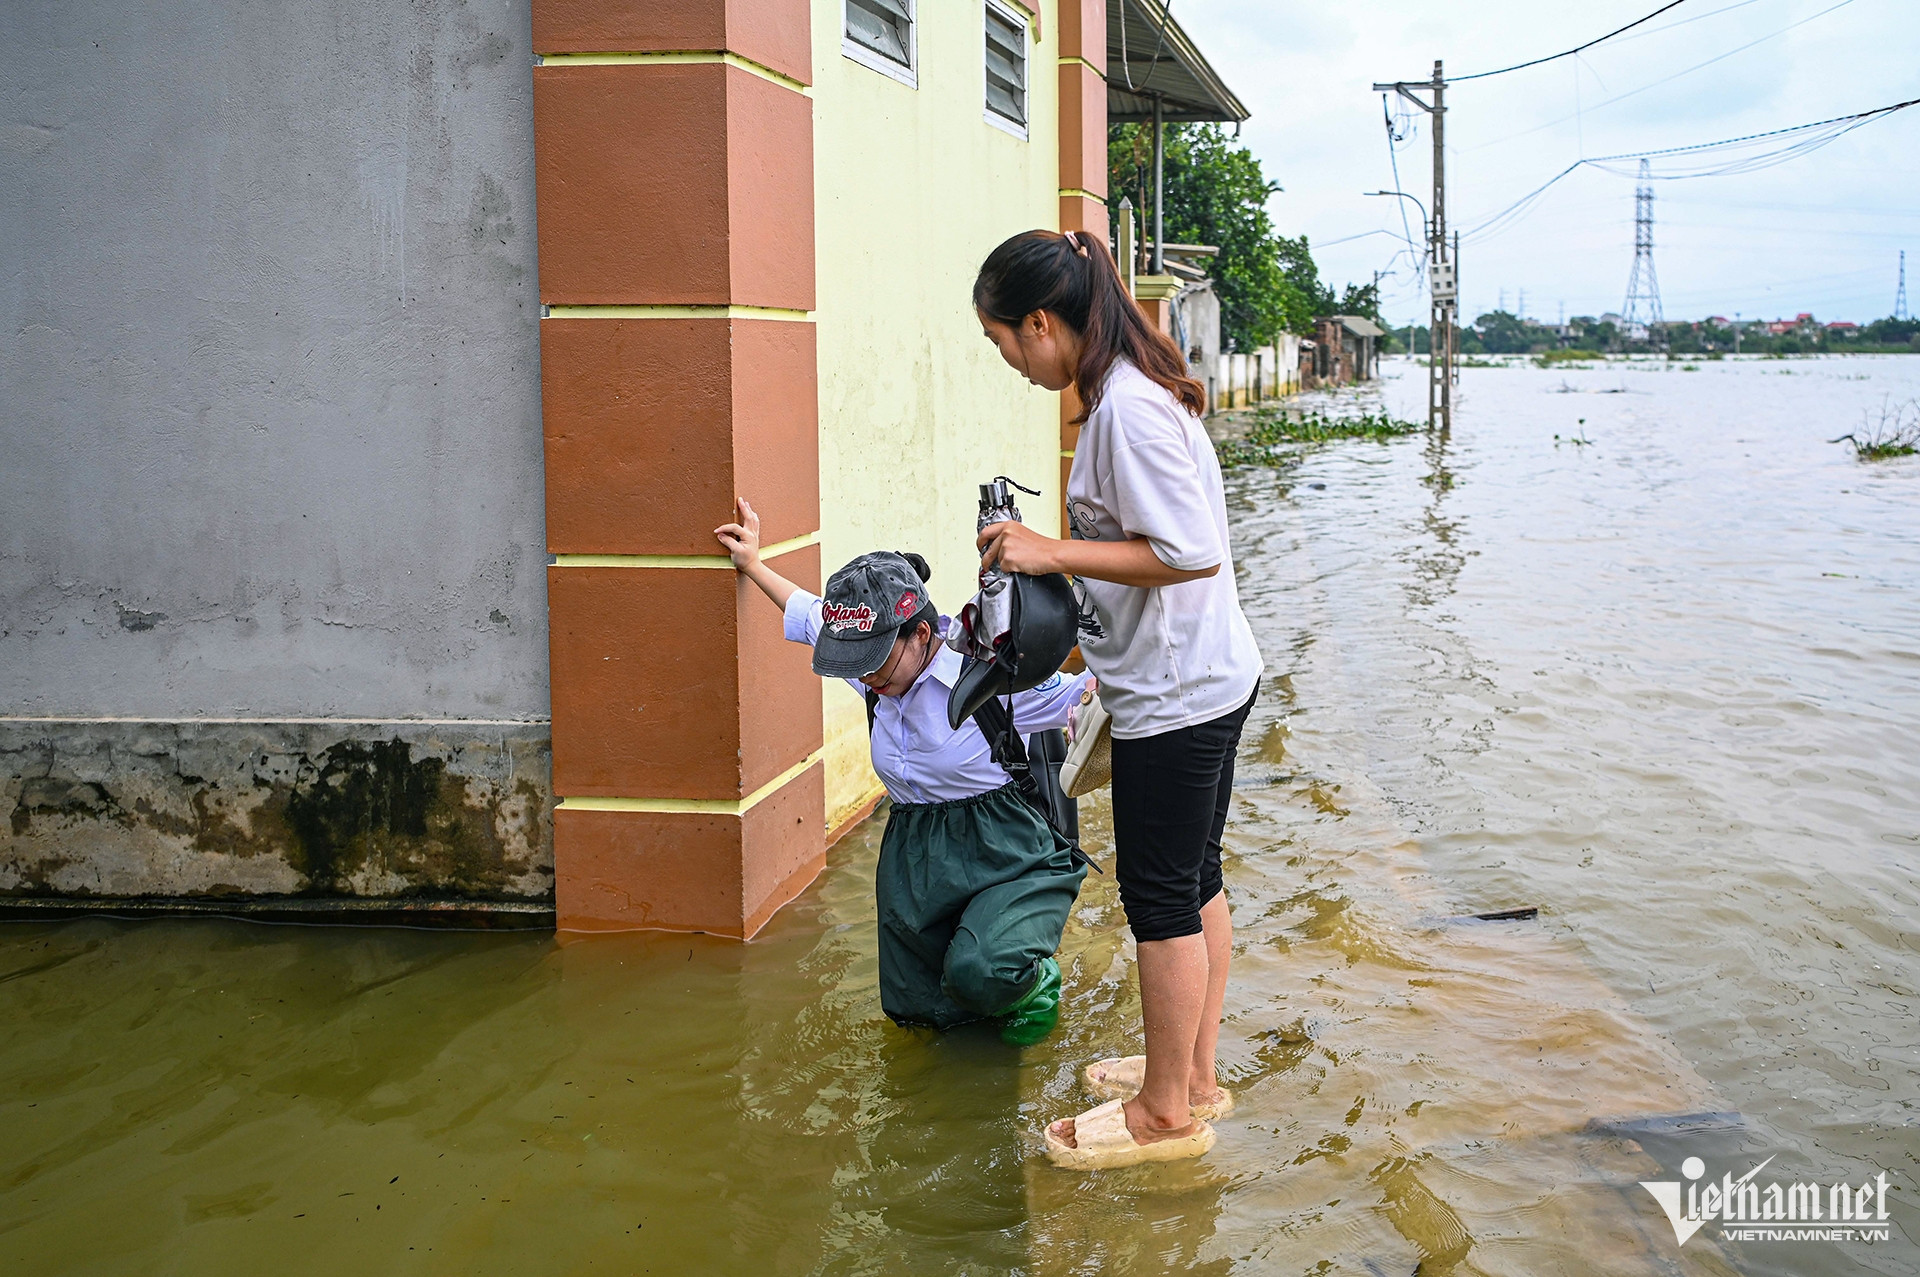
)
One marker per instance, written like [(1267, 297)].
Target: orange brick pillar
[(1083, 162), (674, 173)]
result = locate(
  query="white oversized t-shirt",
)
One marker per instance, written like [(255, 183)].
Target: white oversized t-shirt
[(1169, 656)]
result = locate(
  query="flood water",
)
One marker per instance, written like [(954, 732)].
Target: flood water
[(1663, 685)]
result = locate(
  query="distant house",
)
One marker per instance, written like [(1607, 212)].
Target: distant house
[(1843, 328), (1345, 349)]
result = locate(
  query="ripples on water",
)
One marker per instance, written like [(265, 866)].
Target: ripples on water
[(1664, 685)]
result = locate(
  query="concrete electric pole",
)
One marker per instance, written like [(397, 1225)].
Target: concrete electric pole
[(1442, 286)]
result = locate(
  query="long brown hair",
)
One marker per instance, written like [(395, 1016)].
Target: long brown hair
[(1073, 277)]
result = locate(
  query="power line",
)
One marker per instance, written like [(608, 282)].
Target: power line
[(1668, 79), (1394, 157), (1818, 134), (1555, 57), (1348, 239), (1698, 17)]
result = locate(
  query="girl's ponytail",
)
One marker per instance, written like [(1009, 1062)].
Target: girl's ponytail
[(1073, 276)]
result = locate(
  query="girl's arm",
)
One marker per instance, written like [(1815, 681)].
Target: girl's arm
[(1018, 548), (742, 542)]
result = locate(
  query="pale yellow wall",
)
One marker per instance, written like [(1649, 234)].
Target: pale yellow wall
[(912, 189)]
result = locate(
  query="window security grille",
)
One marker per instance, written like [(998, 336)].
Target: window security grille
[(1006, 69), (879, 34)]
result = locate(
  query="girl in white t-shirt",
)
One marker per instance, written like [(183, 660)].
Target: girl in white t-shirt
[(1176, 660)]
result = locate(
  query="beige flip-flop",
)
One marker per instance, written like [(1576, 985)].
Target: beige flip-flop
[(1121, 1077), (1101, 1141)]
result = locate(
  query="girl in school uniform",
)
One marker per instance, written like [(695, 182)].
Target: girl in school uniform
[(1176, 659), (974, 883)]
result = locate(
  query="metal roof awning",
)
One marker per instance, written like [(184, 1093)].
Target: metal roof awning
[(1149, 57), (1360, 325)]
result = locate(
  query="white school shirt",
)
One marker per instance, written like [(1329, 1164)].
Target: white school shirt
[(1169, 656), (918, 757)]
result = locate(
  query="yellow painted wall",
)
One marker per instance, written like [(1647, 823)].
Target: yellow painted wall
[(913, 188)]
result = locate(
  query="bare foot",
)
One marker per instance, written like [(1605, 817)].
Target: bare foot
[(1139, 1125), (1204, 1089), (1198, 1095)]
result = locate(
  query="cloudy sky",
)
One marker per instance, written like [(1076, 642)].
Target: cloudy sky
[(1820, 233)]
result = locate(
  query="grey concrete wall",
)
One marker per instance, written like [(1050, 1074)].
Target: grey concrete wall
[(226, 810), (269, 361), (270, 456)]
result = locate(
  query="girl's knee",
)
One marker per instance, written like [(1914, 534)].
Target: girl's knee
[(983, 978)]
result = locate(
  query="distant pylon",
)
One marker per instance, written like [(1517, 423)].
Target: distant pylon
[(1643, 287), (1900, 294)]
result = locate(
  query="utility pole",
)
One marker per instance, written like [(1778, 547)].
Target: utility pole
[(1900, 294), (1159, 262), (1442, 286), (1643, 288)]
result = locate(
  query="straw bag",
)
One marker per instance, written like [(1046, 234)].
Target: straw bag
[(1089, 763)]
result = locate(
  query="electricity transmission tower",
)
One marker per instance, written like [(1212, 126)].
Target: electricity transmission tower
[(1643, 287), (1900, 294)]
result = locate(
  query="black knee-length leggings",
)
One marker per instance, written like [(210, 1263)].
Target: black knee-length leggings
[(1170, 795)]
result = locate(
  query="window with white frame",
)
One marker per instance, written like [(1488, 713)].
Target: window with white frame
[(880, 34), (1006, 68)]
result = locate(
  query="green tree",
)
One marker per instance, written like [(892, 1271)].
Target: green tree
[(1892, 330), (1502, 333), (1361, 299), (1217, 194)]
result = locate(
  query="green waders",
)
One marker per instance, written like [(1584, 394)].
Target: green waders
[(973, 895)]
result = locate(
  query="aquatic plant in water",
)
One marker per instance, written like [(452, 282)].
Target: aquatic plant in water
[(1261, 444), (1895, 434), (1571, 356)]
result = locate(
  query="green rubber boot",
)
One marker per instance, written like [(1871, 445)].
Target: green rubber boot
[(1033, 1016)]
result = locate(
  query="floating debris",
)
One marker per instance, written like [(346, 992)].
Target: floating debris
[(1525, 913)]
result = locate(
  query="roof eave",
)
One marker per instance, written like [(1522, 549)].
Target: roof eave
[(1220, 105)]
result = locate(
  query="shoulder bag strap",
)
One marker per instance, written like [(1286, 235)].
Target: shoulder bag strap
[(995, 722)]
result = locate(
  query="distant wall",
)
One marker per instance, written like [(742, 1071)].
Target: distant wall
[(270, 421)]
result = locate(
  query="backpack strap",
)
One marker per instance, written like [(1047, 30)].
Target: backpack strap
[(873, 704), (995, 722)]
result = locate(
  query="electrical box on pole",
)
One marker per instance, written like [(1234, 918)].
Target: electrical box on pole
[(1440, 281)]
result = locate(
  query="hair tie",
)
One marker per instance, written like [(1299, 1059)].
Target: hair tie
[(1073, 242)]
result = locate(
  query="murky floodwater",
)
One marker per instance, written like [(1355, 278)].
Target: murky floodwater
[(1664, 685)]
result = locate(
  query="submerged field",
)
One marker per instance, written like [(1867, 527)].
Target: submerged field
[(1634, 646)]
